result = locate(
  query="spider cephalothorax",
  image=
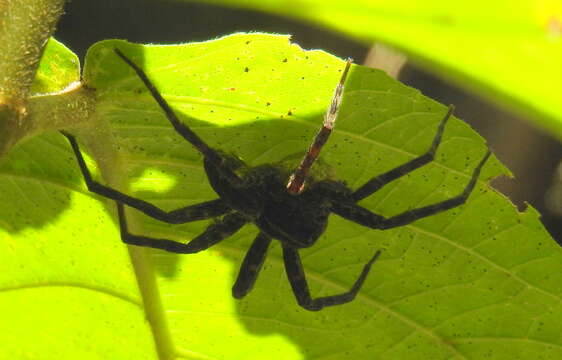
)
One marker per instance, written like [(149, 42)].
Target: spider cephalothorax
[(285, 205)]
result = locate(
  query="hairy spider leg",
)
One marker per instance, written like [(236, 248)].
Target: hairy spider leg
[(362, 216), (251, 266), (296, 181), (371, 186), (208, 152), (214, 233), (297, 278), (204, 210)]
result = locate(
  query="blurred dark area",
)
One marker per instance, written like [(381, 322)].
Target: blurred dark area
[(532, 155)]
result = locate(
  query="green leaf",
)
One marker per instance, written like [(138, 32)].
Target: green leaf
[(482, 280), (59, 67), (508, 52)]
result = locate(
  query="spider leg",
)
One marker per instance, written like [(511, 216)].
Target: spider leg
[(365, 217), (214, 233), (208, 152), (298, 178), (200, 211), (251, 266), (371, 186), (295, 273)]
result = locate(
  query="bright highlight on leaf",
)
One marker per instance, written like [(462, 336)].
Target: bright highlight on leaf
[(481, 280), (153, 180)]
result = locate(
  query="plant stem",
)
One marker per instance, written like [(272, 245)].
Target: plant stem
[(25, 27)]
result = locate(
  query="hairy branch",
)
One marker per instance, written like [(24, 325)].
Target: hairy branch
[(25, 27)]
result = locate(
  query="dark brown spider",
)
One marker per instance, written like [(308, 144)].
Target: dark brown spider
[(292, 208)]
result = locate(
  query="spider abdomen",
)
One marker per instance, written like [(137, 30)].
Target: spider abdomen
[(297, 220)]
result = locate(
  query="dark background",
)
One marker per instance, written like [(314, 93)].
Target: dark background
[(531, 154)]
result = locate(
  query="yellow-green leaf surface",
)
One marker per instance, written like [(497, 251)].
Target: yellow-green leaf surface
[(59, 68), (506, 51), (482, 280)]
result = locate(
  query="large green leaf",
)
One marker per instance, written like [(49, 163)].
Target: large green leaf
[(482, 280), (506, 51)]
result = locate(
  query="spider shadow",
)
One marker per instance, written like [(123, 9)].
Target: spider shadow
[(272, 294), (34, 193)]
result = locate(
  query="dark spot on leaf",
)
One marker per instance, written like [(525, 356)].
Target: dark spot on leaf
[(247, 42), (246, 69), (289, 113), (285, 60), (268, 104)]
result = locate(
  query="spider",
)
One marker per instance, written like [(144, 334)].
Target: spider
[(291, 207)]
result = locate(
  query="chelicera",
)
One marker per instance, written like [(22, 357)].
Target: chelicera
[(289, 206)]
